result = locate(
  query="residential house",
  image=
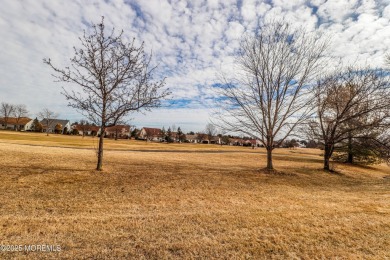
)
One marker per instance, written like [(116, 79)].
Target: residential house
[(14, 123), (244, 142), (50, 128), (252, 142), (151, 134), (118, 131), (192, 138), (86, 129), (236, 141)]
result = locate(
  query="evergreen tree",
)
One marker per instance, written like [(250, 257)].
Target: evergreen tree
[(36, 126), (163, 133), (168, 137), (134, 133), (180, 135)]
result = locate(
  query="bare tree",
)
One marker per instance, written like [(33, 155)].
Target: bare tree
[(47, 117), (210, 131), (6, 111), (115, 79), (268, 96), (349, 102), (20, 111)]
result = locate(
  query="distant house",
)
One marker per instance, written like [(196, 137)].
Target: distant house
[(244, 142), (236, 141), (50, 128), (174, 137), (14, 123), (86, 129), (151, 134), (118, 131), (192, 138), (252, 142), (215, 140)]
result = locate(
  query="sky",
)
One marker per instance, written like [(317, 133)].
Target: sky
[(192, 42)]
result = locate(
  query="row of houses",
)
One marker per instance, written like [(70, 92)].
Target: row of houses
[(156, 134), (60, 126), (119, 131), (26, 124)]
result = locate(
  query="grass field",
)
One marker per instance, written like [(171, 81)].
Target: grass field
[(160, 201)]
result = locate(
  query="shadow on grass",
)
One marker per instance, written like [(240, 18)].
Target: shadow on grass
[(274, 172)]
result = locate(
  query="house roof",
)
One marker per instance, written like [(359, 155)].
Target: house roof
[(191, 137), (86, 127), (152, 131), (122, 128), (14, 120), (54, 122), (236, 140), (252, 141)]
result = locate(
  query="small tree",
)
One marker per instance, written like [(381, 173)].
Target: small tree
[(6, 111), (19, 112), (180, 135), (115, 79), (163, 133), (134, 133), (168, 136), (47, 117), (211, 131), (36, 126), (58, 129)]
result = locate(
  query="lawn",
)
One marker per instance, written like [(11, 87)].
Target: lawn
[(160, 201)]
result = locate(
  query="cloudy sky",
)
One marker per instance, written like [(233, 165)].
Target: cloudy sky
[(192, 41)]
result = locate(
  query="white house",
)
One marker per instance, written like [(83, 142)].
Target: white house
[(151, 134), (14, 123), (49, 125)]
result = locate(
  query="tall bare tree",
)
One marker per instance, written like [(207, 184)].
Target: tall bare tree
[(348, 103), (268, 95), (19, 112), (47, 116), (115, 78), (6, 110)]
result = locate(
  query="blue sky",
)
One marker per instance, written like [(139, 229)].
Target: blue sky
[(192, 41)]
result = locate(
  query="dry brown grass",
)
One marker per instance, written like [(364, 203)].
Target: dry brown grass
[(187, 201)]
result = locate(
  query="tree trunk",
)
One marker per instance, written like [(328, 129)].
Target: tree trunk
[(269, 159), (350, 152), (327, 155), (47, 128), (100, 150), (326, 163)]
